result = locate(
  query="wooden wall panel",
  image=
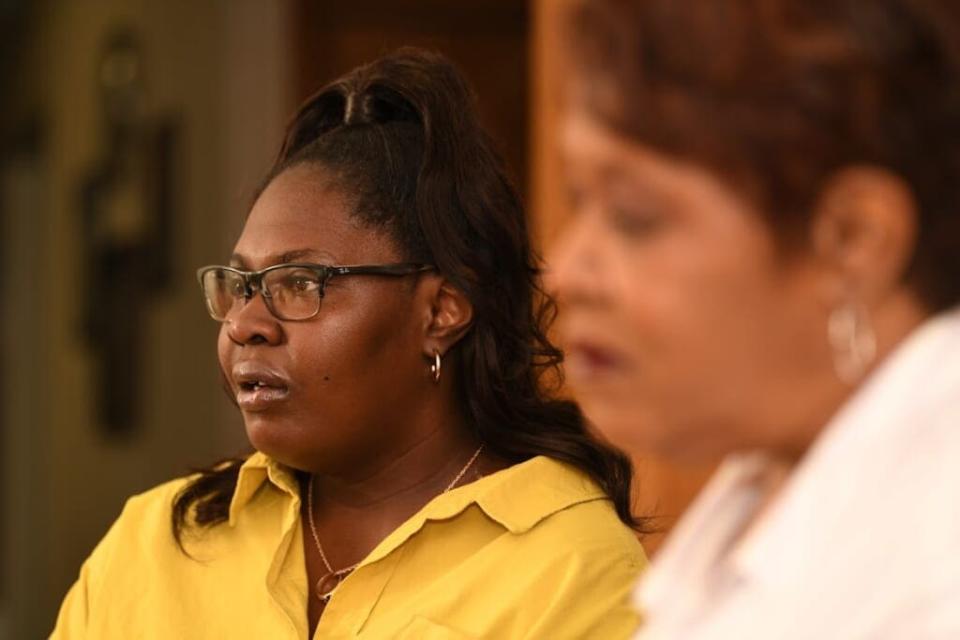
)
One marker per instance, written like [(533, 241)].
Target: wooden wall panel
[(487, 39)]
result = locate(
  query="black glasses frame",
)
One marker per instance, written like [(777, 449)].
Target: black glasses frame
[(253, 280)]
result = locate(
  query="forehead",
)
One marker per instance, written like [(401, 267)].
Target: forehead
[(591, 147), (302, 210), (606, 164)]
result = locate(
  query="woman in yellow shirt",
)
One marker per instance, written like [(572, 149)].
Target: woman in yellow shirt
[(383, 334)]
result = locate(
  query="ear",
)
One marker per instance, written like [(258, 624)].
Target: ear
[(864, 233), (447, 317)]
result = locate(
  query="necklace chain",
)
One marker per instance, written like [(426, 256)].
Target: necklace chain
[(331, 572)]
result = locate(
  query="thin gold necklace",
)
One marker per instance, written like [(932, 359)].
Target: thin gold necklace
[(329, 582)]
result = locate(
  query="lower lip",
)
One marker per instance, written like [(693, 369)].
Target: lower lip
[(587, 364), (261, 398)]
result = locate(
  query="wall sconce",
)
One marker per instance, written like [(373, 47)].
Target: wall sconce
[(126, 204)]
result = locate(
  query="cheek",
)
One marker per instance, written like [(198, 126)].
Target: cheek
[(324, 359), (348, 348), (700, 330), (722, 355), (354, 363)]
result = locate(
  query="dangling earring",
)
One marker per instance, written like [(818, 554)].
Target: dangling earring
[(852, 340), (435, 367)]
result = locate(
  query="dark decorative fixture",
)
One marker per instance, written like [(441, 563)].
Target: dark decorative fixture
[(127, 230)]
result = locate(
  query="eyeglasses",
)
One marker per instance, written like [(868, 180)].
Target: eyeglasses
[(290, 291)]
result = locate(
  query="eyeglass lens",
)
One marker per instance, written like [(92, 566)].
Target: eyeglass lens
[(292, 293)]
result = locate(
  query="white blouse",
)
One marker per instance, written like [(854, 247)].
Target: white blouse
[(862, 542)]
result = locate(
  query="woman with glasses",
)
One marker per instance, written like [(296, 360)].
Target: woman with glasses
[(765, 267), (384, 336)]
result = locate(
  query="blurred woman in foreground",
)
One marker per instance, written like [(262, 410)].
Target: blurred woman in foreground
[(764, 266)]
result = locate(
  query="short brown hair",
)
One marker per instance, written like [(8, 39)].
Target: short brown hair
[(777, 95)]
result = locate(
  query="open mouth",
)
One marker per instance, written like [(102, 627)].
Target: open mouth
[(257, 396), (257, 388), (253, 385)]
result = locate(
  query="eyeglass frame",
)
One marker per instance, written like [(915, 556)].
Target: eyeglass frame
[(253, 280)]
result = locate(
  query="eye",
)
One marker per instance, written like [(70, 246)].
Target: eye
[(236, 288), (231, 284), (302, 284), (298, 282), (634, 220)]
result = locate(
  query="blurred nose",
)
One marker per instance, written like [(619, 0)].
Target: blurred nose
[(574, 264), (252, 323)]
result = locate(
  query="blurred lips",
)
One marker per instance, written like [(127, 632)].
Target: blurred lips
[(587, 361), (259, 387)]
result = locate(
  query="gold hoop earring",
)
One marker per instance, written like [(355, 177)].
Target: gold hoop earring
[(435, 367), (852, 341)]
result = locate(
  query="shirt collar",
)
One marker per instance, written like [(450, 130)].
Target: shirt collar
[(257, 470), (517, 497), (690, 558)]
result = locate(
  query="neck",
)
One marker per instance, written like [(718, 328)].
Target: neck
[(353, 512), (414, 471)]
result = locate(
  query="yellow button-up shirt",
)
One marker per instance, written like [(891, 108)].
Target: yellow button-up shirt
[(532, 551)]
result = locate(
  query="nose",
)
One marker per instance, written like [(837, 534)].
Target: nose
[(252, 323), (575, 263)]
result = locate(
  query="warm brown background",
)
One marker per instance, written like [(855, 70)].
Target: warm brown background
[(488, 39), (232, 72)]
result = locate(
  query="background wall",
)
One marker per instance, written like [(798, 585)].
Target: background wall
[(488, 39), (221, 69)]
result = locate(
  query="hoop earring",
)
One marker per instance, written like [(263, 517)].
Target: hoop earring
[(435, 367), (852, 340)]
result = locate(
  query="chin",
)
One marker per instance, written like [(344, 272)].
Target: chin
[(289, 443), (273, 438)]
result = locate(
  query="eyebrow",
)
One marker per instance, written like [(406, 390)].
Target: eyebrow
[(287, 256)]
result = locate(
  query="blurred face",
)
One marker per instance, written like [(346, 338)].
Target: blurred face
[(323, 393), (687, 332)]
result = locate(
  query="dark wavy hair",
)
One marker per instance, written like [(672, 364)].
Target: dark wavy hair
[(777, 95), (402, 139)]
